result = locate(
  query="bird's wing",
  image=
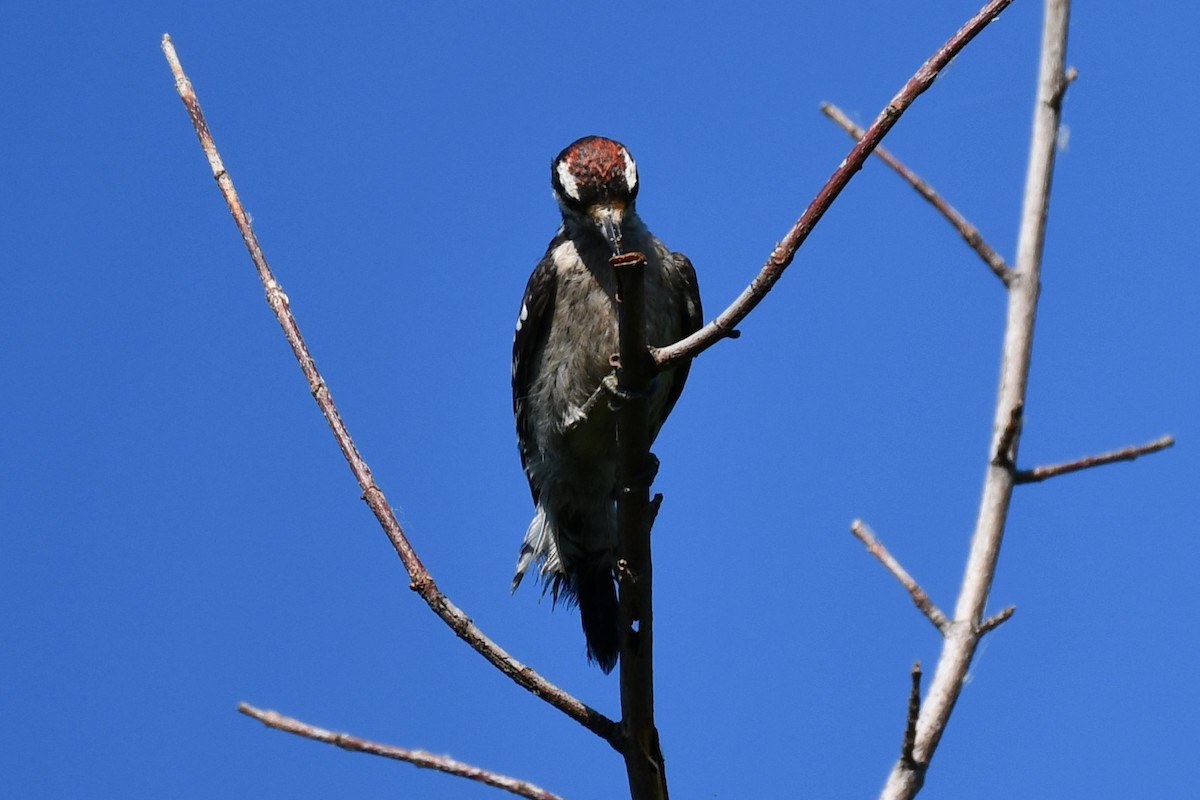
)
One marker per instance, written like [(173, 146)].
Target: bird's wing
[(693, 319), (533, 324)]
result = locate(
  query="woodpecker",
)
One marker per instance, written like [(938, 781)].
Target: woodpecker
[(562, 377)]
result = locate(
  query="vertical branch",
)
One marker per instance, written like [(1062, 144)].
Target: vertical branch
[(965, 631), (635, 516)]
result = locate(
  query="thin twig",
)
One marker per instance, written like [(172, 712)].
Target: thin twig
[(965, 229), (919, 596), (960, 644), (996, 620), (420, 758), (421, 581), (644, 763), (1125, 454), (785, 251), (914, 712)]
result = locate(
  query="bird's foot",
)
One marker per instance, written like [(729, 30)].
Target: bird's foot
[(618, 396), (578, 415)]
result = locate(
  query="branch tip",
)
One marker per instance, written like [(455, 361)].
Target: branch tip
[(966, 230), (996, 620), (1038, 474), (419, 758), (1068, 77), (782, 256), (919, 596)]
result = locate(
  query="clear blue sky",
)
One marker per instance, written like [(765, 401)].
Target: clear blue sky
[(179, 532)]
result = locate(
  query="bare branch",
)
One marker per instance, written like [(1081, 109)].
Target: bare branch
[(1125, 454), (421, 581), (644, 761), (996, 620), (965, 631), (919, 596), (785, 251), (965, 229), (420, 758), (914, 712)]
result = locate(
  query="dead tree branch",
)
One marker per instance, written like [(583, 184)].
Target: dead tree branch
[(420, 758), (965, 229), (420, 579), (959, 646), (1038, 474), (727, 321), (919, 596), (996, 620)]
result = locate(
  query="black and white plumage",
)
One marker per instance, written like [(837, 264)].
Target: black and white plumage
[(566, 333)]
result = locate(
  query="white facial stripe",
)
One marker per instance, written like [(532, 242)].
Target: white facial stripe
[(568, 181), (630, 171)]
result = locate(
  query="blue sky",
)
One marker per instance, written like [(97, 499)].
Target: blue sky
[(180, 533)]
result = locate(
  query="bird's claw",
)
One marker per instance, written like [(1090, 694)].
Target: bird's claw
[(618, 396)]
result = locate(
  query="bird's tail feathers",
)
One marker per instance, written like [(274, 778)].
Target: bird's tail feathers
[(540, 546), (588, 582), (597, 594)]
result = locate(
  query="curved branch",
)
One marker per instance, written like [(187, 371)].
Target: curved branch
[(723, 326), (421, 581)]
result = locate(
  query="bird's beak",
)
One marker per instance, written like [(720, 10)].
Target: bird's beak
[(608, 220)]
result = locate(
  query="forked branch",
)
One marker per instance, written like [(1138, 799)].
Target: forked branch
[(967, 627)]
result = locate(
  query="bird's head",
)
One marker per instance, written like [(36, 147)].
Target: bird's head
[(595, 182)]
